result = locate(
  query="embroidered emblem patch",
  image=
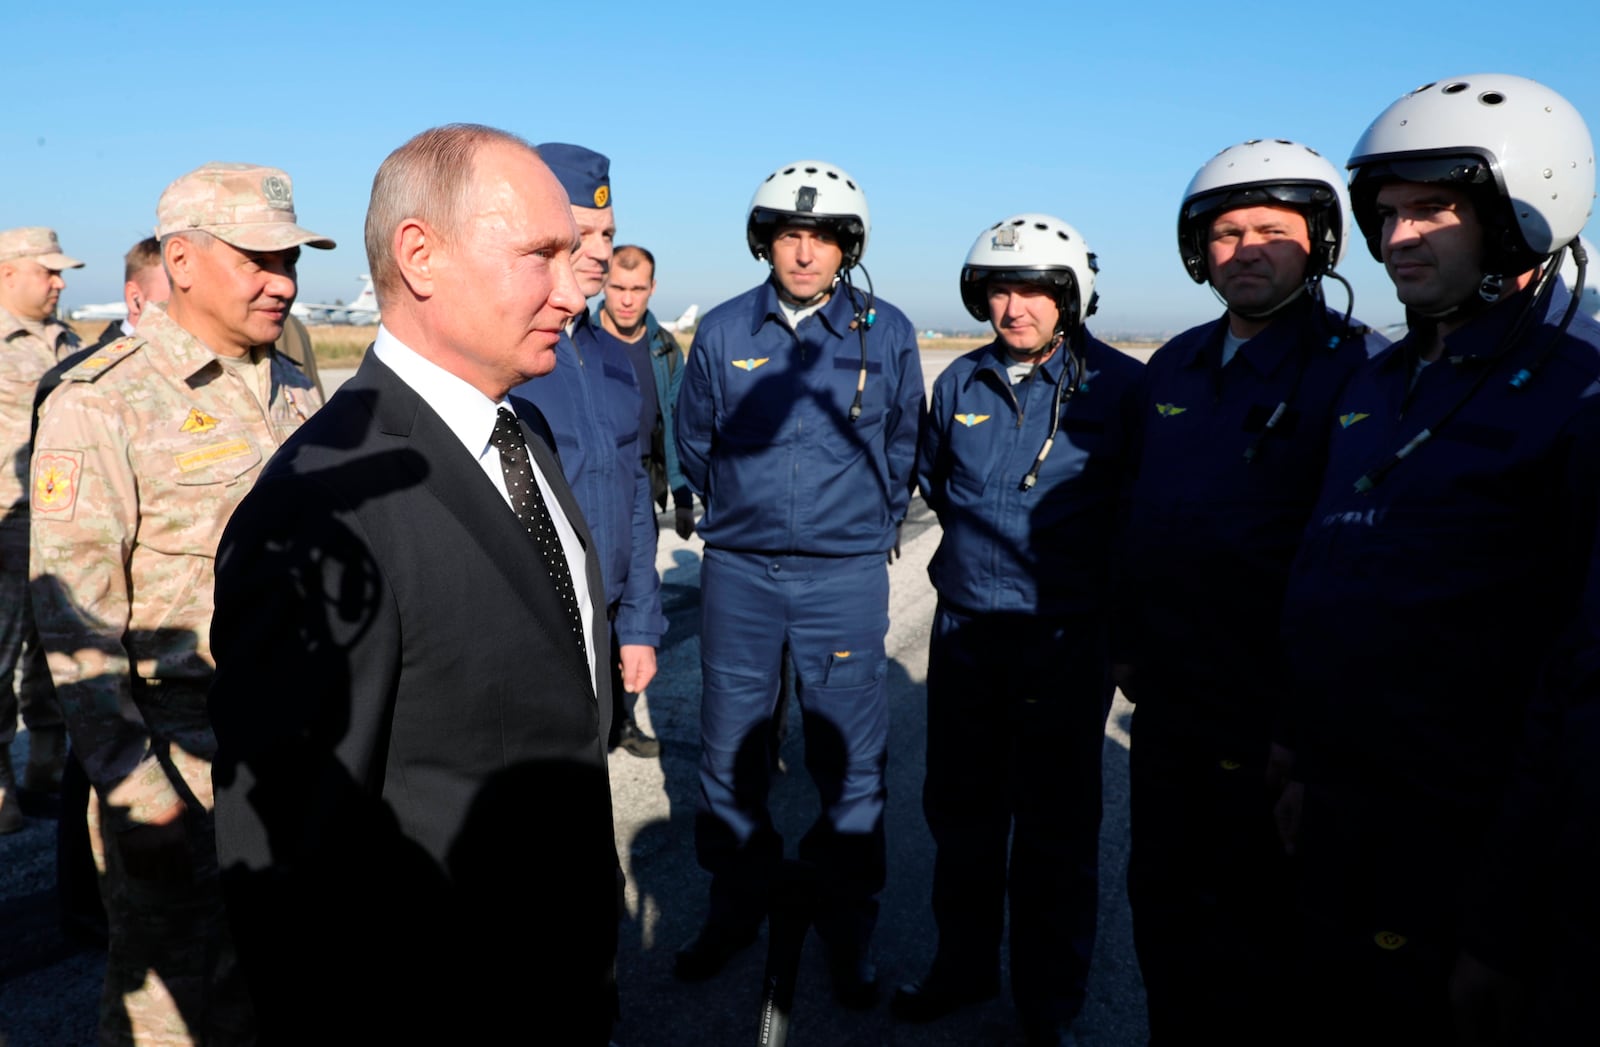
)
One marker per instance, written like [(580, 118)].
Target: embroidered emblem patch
[(841, 654), (197, 422), (750, 364), (55, 481), (602, 196), (1389, 941), (1347, 420), (276, 190), (970, 420), (1169, 410)]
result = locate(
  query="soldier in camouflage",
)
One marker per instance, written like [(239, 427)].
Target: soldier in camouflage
[(142, 454), (31, 342)]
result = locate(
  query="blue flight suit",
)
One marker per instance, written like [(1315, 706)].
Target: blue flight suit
[(1207, 547), (1416, 621), (801, 507), (591, 401), (1530, 910), (1018, 670)]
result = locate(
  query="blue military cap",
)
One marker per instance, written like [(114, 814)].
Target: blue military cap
[(584, 173)]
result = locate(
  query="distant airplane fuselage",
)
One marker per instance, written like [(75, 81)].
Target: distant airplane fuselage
[(362, 312), (104, 311)]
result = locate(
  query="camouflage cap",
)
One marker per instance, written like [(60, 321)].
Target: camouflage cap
[(247, 206), (38, 243)]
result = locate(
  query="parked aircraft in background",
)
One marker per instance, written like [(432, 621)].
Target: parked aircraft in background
[(684, 322), (104, 311), (362, 311)]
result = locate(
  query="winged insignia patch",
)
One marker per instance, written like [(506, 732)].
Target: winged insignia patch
[(197, 422)]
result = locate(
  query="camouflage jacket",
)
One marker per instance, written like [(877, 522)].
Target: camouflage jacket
[(24, 359), (142, 454)]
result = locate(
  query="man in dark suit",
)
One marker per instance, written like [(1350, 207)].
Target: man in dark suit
[(414, 818)]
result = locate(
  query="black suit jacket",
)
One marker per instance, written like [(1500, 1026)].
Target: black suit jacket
[(413, 814)]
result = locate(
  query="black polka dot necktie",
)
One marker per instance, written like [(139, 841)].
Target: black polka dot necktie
[(528, 503)]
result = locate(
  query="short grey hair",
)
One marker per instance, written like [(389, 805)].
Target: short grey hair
[(199, 237), (428, 178)]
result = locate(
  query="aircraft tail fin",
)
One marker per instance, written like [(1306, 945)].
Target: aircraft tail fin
[(367, 300), (684, 322)]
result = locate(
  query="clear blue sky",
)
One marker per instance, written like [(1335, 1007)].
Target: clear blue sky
[(950, 116)]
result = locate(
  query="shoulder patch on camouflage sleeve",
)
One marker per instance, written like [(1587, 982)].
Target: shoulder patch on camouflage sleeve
[(55, 482), (103, 359)]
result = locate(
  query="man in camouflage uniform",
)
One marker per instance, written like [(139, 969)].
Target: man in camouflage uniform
[(31, 342), (142, 454)]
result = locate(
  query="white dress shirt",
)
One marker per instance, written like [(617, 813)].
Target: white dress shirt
[(471, 416)]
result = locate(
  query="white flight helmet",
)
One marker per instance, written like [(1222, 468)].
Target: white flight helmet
[(1032, 249), (1264, 172), (1518, 149), (810, 193)]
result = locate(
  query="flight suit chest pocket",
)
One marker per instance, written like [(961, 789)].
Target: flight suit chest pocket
[(759, 398), (975, 451), (1491, 438), (1088, 434), (874, 395), (570, 450), (623, 402), (1257, 417), (842, 439)]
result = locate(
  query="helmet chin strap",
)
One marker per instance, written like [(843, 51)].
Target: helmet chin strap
[(1490, 288), (1043, 351)]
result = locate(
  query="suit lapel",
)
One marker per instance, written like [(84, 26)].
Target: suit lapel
[(456, 482)]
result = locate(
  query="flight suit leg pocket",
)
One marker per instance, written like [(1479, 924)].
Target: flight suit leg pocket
[(852, 668)]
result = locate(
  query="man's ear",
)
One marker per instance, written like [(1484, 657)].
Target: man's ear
[(178, 254), (417, 253)]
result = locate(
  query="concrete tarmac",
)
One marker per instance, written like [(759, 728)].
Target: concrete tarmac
[(655, 804), (49, 987)]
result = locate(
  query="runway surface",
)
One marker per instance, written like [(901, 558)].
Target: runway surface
[(49, 988)]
